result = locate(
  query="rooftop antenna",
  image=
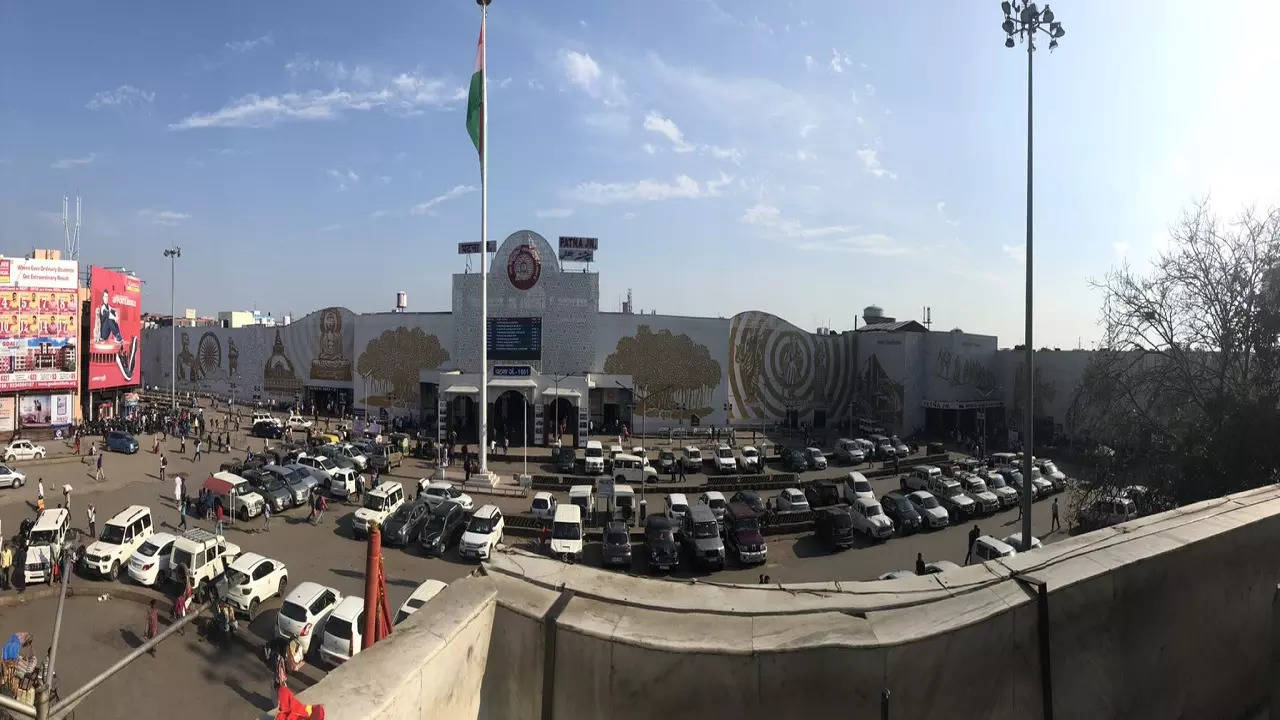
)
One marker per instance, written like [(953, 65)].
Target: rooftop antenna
[(928, 317), (70, 234)]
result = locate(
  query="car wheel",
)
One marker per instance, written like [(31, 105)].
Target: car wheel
[(115, 570), (243, 515), (39, 456), (253, 608), (17, 483)]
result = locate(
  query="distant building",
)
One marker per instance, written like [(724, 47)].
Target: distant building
[(233, 319)]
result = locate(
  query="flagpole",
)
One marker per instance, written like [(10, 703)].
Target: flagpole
[(484, 243)]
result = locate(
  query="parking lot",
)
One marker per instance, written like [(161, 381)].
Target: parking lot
[(328, 554)]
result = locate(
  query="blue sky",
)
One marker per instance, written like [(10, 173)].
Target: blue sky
[(802, 158)]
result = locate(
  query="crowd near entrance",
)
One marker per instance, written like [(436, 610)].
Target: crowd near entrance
[(507, 422)]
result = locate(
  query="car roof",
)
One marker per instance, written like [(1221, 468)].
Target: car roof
[(657, 522), (594, 444), (896, 494), (995, 544), (615, 526), (749, 447), (740, 509), (542, 495), (306, 591), (568, 512), (488, 511), (792, 491), (349, 608), (920, 494), (677, 499), (385, 488), (247, 560), (51, 519), (866, 502), (161, 538), (834, 510), (713, 495), (580, 490), (855, 475), (439, 485), (702, 513), (129, 514)]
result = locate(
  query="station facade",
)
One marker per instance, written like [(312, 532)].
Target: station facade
[(556, 361)]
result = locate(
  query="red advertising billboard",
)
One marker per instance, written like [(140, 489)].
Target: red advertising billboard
[(115, 319)]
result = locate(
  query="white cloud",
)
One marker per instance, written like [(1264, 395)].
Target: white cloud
[(839, 61), (761, 25), (384, 179), (853, 95), (649, 148), (682, 187), (809, 62), (504, 82), (807, 128), (535, 84), (871, 163), (379, 214), (406, 94), (822, 237), (244, 46), (629, 216), (942, 210), (1015, 252), (454, 192), (343, 177), (582, 70), (125, 96), (666, 127), (869, 89), (554, 213), (334, 71), (70, 162), (166, 218)]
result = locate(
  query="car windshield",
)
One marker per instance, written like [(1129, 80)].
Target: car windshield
[(695, 455), (375, 502), (43, 537), (996, 482), (594, 452), (149, 549), (873, 510), (724, 453), (482, 525), (1050, 468), (668, 456), (749, 453), (402, 514), (862, 486), (976, 485), (113, 534), (616, 538), (235, 578), (293, 611), (747, 523), (273, 483), (841, 520), (716, 503), (664, 535), (541, 503), (566, 531), (952, 490), (927, 501), (706, 530), (680, 508)]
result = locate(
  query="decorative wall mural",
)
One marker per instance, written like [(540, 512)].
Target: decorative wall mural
[(279, 379), (879, 395), (330, 362), (208, 355), (672, 369), (186, 360), (775, 366), (391, 363), (233, 358), (963, 371)]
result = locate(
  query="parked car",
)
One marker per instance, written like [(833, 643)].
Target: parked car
[(660, 543), (750, 498), (305, 611), (404, 525), (1049, 470), (23, 450), (822, 493), (543, 506), (342, 482), (666, 461), (988, 548), (1007, 496), (122, 534), (849, 451), (750, 460), (700, 536), (299, 490), (899, 447), (378, 505), (857, 486), (952, 497), (834, 526), (271, 487), (262, 416), (353, 453), (483, 533), (794, 460), (45, 541), (884, 448), (200, 557), (236, 495), (742, 533), (566, 459), (267, 430), (438, 491), (714, 499), (1015, 541), (420, 596), (320, 465), (566, 533), (342, 637), (309, 478), (725, 462), (904, 515), (677, 506), (870, 520), (252, 579), (977, 491), (792, 500), (593, 458), (932, 514), (443, 528), (297, 423), (616, 544), (1107, 511), (385, 457), (692, 459), (814, 459), (121, 442), (149, 564), (920, 477), (11, 478)]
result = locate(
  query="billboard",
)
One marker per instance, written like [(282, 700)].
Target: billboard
[(39, 308), (578, 249), (115, 314)]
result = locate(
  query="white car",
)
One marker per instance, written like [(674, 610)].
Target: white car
[(593, 458), (201, 556), (483, 532), (149, 564), (931, 511), (11, 478), (1015, 541), (304, 612), (264, 417), (421, 596), (438, 491), (988, 548), (253, 578), (297, 422), (857, 486), (714, 499), (121, 536), (354, 453), (342, 482), (869, 518), (343, 634), (543, 506), (22, 450), (725, 461), (792, 500), (750, 459), (379, 503), (320, 465), (815, 459)]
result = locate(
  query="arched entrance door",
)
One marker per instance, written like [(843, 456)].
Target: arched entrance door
[(463, 418), (507, 421), (563, 414)]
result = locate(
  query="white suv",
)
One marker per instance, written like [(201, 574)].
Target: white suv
[(122, 534), (750, 459), (253, 578), (264, 417), (725, 462), (201, 556), (304, 612), (484, 531), (870, 520), (593, 458), (379, 503), (438, 491)]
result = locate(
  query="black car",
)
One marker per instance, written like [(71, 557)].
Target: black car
[(616, 544), (660, 543), (405, 523), (565, 460), (265, 429), (750, 498), (904, 515), (822, 493), (794, 460), (443, 528), (834, 526)]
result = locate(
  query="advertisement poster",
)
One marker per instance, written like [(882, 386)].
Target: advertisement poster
[(36, 411), (39, 307), (7, 414), (115, 312), (61, 414)]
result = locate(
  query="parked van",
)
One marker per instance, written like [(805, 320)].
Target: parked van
[(593, 458), (342, 631), (582, 496), (623, 503), (632, 470), (742, 533), (544, 505), (120, 537), (44, 545), (238, 497), (566, 533), (677, 507), (988, 548), (1002, 459)]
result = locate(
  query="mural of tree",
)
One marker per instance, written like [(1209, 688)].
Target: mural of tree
[(673, 369), (391, 364)]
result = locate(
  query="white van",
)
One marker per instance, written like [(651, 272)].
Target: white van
[(677, 507), (120, 537), (631, 469), (593, 458), (581, 495), (238, 497), (623, 502), (44, 545), (566, 533), (379, 503), (343, 631)]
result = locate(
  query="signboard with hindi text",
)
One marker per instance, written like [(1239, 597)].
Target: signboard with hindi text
[(578, 249), (473, 248), (515, 338)]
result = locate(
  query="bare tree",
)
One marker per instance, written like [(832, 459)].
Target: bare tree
[(1185, 390)]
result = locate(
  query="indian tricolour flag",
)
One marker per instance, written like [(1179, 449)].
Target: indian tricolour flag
[(475, 98)]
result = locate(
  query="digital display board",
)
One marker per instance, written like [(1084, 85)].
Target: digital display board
[(515, 338)]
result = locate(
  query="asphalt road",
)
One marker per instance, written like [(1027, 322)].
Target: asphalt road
[(209, 682)]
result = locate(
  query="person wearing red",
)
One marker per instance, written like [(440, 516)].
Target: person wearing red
[(290, 708)]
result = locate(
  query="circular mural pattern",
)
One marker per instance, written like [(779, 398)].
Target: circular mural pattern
[(524, 267), (209, 354)]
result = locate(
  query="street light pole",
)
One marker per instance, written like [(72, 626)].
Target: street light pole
[(1024, 19), (173, 254)]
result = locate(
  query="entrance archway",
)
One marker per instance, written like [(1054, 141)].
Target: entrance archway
[(463, 418), (507, 409), (564, 412)]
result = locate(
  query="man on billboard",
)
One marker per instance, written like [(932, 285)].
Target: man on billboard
[(108, 321)]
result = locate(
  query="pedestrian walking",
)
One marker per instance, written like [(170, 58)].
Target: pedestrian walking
[(101, 474), (505, 445), (217, 514), (40, 489), (197, 457), (680, 467), (973, 537), (182, 449), (920, 568), (6, 565), (1055, 524), (91, 514), (153, 625), (182, 513), (359, 489), (177, 488), (66, 497), (266, 517), (164, 465)]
